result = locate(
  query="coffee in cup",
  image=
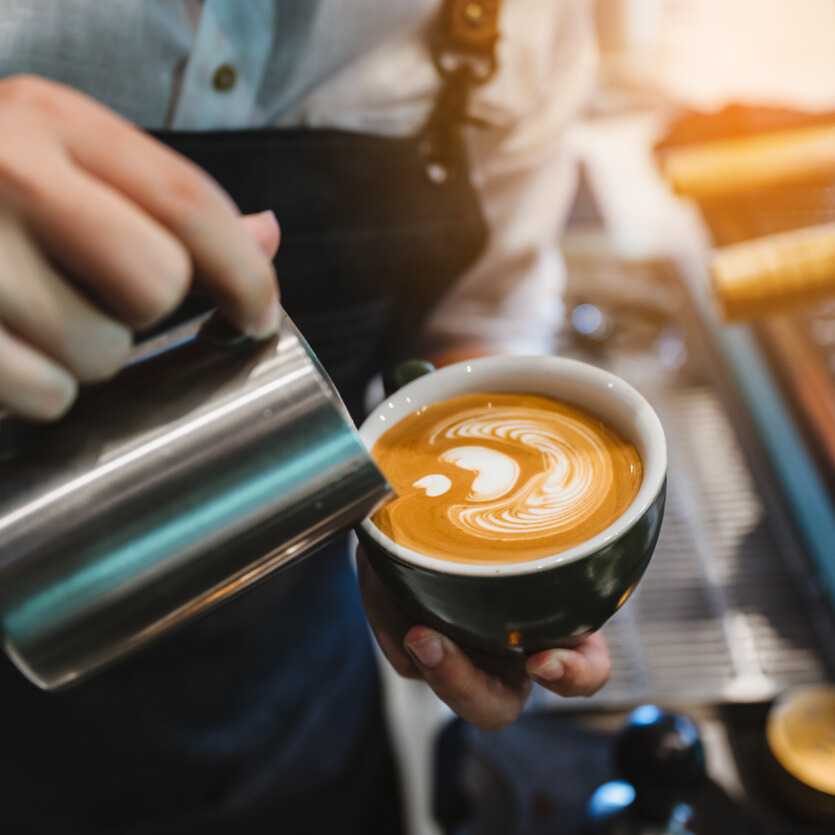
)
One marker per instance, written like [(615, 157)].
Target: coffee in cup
[(503, 477)]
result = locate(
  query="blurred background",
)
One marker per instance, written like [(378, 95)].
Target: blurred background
[(701, 267)]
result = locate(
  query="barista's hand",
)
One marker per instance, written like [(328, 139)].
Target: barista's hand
[(484, 694), (102, 230)]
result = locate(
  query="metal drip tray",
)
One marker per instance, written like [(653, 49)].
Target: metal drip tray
[(727, 611)]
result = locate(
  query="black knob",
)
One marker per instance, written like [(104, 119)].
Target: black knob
[(662, 755), (611, 810)]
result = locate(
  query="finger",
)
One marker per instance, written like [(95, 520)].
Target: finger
[(188, 202), (486, 701), (40, 308), (388, 620), (124, 259), (580, 671), (31, 385), (266, 231)]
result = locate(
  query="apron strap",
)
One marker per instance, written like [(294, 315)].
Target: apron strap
[(464, 51)]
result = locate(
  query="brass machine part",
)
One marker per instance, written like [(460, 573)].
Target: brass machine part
[(775, 273), (800, 737), (720, 168)]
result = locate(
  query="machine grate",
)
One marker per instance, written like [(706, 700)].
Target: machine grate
[(721, 614)]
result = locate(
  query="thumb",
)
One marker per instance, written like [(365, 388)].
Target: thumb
[(266, 231)]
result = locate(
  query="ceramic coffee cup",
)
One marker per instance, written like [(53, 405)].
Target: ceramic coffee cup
[(532, 605)]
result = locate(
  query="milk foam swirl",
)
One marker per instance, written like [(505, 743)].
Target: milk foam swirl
[(506, 477), (573, 477)]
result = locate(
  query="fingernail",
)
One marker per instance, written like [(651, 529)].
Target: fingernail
[(551, 670), (55, 397), (265, 230), (269, 213), (429, 652), (267, 216), (267, 322)]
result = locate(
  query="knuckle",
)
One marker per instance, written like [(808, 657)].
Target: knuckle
[(588, 688), (33, 93), (21, 87), (163, 287), (599, 684), (18, 180), (188, 192), (500, 715), (459, 690), (494, 723), (147, 306)]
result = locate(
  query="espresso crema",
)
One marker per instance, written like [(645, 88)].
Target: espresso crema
[(503, 477)]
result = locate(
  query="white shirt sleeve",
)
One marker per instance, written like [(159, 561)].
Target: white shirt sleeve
[(510, 300)]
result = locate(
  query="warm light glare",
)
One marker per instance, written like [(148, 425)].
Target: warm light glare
[(707, 53)]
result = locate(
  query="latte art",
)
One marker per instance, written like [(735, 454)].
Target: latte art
[(503, 477)]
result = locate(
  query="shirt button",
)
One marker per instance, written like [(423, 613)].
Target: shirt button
[(224, 78)]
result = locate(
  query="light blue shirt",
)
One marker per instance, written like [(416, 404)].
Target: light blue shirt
[(154, 60)]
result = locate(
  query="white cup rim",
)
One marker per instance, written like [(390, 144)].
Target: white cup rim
[(622, 404)]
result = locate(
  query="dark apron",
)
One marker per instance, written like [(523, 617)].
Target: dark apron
[(263, 716)]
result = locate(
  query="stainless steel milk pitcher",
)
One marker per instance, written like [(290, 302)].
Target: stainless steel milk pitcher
[(208, 462)]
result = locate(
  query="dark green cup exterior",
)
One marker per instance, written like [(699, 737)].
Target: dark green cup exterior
[(531, 611)]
